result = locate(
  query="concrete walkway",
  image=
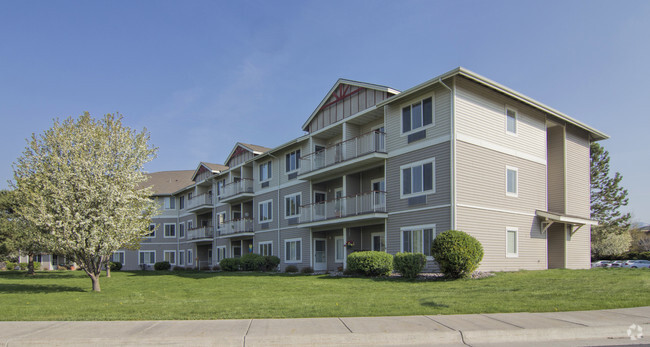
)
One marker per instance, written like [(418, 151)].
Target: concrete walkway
[(455, 330)]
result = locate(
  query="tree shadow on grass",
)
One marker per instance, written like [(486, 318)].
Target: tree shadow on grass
[(199, 275), (16, 275), (433, 304), (11, 288)]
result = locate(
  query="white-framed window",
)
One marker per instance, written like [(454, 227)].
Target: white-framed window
[(221, 253), (146, 257), (266, 248), (266, 171), (512, 181), (117, 257), (418, 178), (220, 186), (181, 257), (292, 205), (221, 219), (338, 249), (265, 211), (190, 224), (170, 230), (418, 239), (292, 161), (512, 242), (190, 257), (511, 121), (170, 256), (181, 230), (417, 116), (181, 202), (152, 231), (292, 250), (170, 203)]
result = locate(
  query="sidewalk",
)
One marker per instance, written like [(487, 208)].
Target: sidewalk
[(452, 330)]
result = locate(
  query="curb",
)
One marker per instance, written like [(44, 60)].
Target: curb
[(547, 334)]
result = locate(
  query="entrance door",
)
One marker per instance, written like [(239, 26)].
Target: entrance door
[(320, 255), (236, 251), (378, 242)]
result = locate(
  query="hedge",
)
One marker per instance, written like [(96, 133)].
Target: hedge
[(457, 253), (370, 263), (162, 266), (409, 265), (230, 264)]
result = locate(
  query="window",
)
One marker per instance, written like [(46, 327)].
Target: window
[(170, 256), (418, 178), (292, 205), (118, 257), (292, 251), (220, 186), (266, 211), (190, 257), (292, 161), (221, 219), (266, 248), (152, 231), (170, 203), (170, 230), (221, 253), (418, 115), (147, 257), (338, 249), (512, 240), (190, 225), (181, 230), (181, 202), (181, 258), (512, 181), (39, 258), (265, 172), (190, 195), (511, 121), (418, 239)]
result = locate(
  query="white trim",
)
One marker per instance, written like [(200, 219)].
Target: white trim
[(496, 210), (510, 108), (169, 252), (516, 254), (123, 256), (431, 160), (372, 243), (259, 246), (150, 236), (431, 95), (417, 228), (270, 172), (179, 230), (516, 170), (314, 239), (165, 231), (259, 210), (220, 248), (420, 209), (419, 145), (297, 261), (297, 205), (147, 251), (336, 238), (190, 257), (499, 148), (273, 188), (181, 257), (297, 161)]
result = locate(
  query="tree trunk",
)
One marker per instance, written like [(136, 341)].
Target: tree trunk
[(108, 269), (30, 264), (95, 279)]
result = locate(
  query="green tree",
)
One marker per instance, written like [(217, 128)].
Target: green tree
[(611, 236), (81, 182)]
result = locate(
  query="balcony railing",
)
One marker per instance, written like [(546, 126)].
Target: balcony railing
[(198, 200), (236, 227), (353, 205), (204, 232), (372, 142), (239, 187)]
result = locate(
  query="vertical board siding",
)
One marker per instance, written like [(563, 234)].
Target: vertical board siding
[(556, 170), (556, 246), (577, 173), (480, 113), (347, 107)]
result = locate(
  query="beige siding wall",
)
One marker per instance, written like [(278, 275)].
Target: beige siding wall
[(480, 113), (578, 249), (489, 227), (556, 170), (556, 246), (577, 173), (347, 107)]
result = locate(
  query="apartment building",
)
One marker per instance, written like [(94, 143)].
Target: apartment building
[(379, 169)]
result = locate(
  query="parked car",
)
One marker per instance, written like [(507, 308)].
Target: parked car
[(617, 263), (637, 264), (601, 263)]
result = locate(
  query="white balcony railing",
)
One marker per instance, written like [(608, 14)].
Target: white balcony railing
[(204, 232), (198, 200), (372, 142), (353, 205), (236, 227), (239, 187)]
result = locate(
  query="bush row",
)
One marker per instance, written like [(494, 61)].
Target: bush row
[(22, 266), (250, 262), (627, 256)]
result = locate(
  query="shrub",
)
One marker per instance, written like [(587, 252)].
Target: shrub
[(205, 268), (178, 268), (11, 265), (271, 263), (216, 268), (409, 264), (252, 262), (115, 266), (370, 263), (457, 253), (23, 266), (229, 264), (307, 270), (162, 266), (3, 265), (291, 268), (37, 266)]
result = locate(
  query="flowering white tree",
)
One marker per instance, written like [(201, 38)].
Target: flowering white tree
[(81, 182)]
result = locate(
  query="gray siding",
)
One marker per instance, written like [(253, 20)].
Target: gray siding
[(263, 197), (303, 189), (441, 217), (556, 170), (556, 246), (303, 234), (577, 173), (578, 249)]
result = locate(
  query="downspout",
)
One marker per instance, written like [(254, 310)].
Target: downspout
[(453, 150), (277, 207)]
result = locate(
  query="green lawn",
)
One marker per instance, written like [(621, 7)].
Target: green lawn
[(192, 295)]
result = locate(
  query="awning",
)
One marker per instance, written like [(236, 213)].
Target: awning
[(549, 218)]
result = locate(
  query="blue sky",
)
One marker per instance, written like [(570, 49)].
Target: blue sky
[(202, 75)]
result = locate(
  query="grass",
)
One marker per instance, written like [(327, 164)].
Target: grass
[(194, 295)]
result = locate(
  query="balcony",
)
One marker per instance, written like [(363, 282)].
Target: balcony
[(199, 203), (237, 191), (203, 233), (354, 208), (360, 152), (237, 227)]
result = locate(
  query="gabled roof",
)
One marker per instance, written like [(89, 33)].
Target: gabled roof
[(460, 71), (255, 149), (348, 82), (167, 182), (214, 168)]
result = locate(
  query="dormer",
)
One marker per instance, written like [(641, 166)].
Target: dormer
[(243, 152), (205, 170)]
